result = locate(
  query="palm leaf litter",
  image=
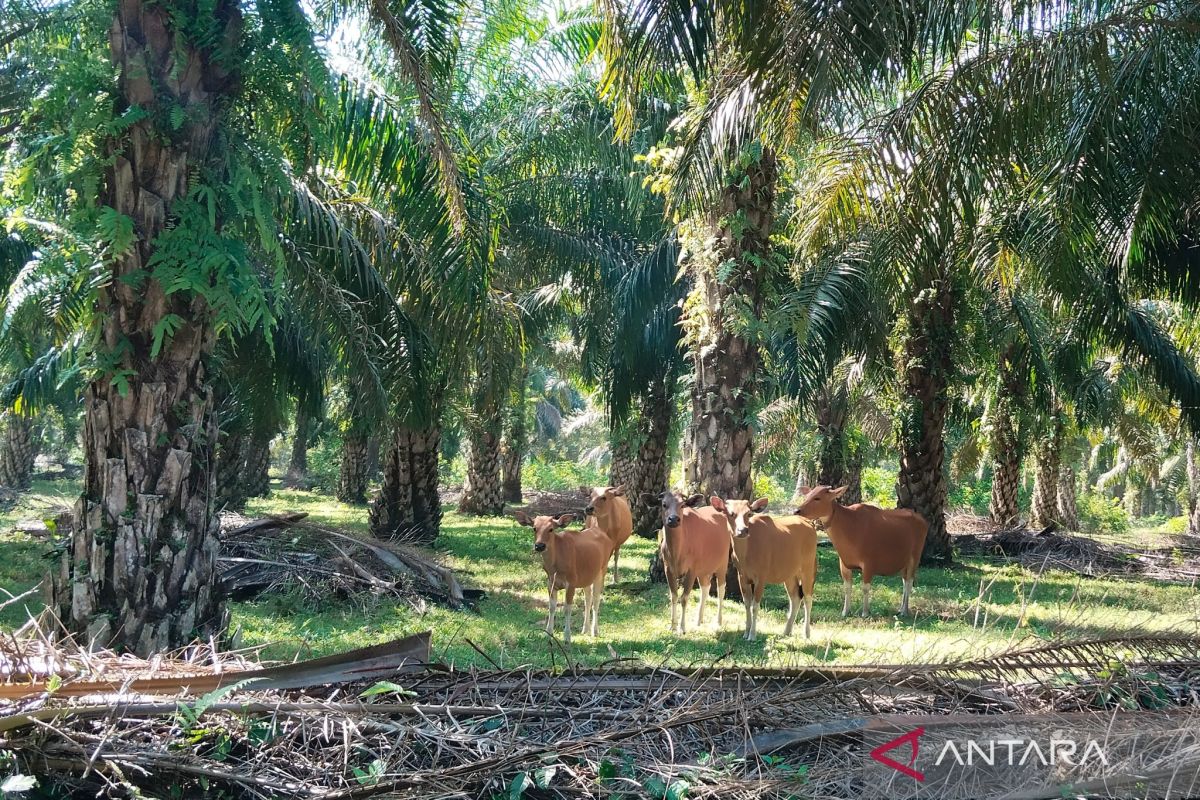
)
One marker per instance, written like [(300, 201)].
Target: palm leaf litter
[(384, 722), (285, 552)]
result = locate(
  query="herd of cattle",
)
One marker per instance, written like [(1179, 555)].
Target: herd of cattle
[(697, 543)]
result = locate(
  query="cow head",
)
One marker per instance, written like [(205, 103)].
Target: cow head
[(600, 496), (544, 528), (739, 512), (671, 504), (818, 502)]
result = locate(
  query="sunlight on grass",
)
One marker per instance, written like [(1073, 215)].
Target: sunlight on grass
[(976, 608)]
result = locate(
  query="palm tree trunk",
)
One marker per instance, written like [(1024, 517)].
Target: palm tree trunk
[(1193, 494), (854, 470), (649, 473), (921, 484), (482, 495), (140, 570), (231, 485), (1007, 447), (297, 471), (408, 506), (1068, 509), (1044, 506), (352, 472), (832, 413), (727, 369), (515, 443), (373, 447), (258, 466), (18, 450)]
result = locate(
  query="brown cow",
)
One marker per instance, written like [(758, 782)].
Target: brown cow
[(611, 510), (771, 550), (694, 549), (870, 539), (572, 560)]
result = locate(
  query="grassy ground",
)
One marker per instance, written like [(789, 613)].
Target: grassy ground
[(971, 609)]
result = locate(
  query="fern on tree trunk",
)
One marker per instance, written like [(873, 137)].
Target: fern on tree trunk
[(297, 471), (1044, 506), (258, 466), (514, 445), (1068, 509), (925, 370), (140, 569), (18, 451), (352, 471), (231, 486), (407, 505)]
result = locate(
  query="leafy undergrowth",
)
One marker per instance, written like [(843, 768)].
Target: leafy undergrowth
[(972, 609)]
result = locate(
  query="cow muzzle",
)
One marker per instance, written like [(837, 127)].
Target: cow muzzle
[(590, 510), (539, 547), (672, 522), (742, 533)]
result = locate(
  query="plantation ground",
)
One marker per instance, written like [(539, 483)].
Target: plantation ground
[(971, 609)]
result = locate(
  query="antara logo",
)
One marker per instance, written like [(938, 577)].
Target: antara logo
[(1019, 752), (990, 752)]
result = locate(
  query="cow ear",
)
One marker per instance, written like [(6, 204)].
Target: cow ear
[(717, 503), (838, 492), (618, 491), (651, 500), (564, 520), (759, 504), (586, 491), (523, 518), (694, 500), (803, 491)]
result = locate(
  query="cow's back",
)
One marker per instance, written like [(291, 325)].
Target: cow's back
[(581, 555), (776, 549), (888, 539), (618, 522), (701, 542)]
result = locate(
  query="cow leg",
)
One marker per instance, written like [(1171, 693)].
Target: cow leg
[(720, 599), (616, 561), (866, 612), (847, 587), (807, 587), (759, 587), (570, 603), (909, 574), (747, 601), (793, 593), (673, 588), (705, 581), (598, 590), (553, 602), (588, 597), (685, 594)]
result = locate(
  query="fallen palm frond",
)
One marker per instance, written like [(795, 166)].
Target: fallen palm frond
[(287, 551), (648, 732)]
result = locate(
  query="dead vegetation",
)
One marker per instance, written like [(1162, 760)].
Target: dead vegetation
[(351, 726), (285, 552), (1050, 548)]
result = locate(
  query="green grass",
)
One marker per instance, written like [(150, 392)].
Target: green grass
[(953, 617), (22, 562)]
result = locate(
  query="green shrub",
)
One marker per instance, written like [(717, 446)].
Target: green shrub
[(324, 462), (1176, 525), (452, 471), (561, 476), (972, 495), (768, 487), (1099, 513), (879, 486)]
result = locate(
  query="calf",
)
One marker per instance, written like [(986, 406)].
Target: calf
[(611, 510), (694, 549), (572, 560), (771, 550), (870, 539)]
